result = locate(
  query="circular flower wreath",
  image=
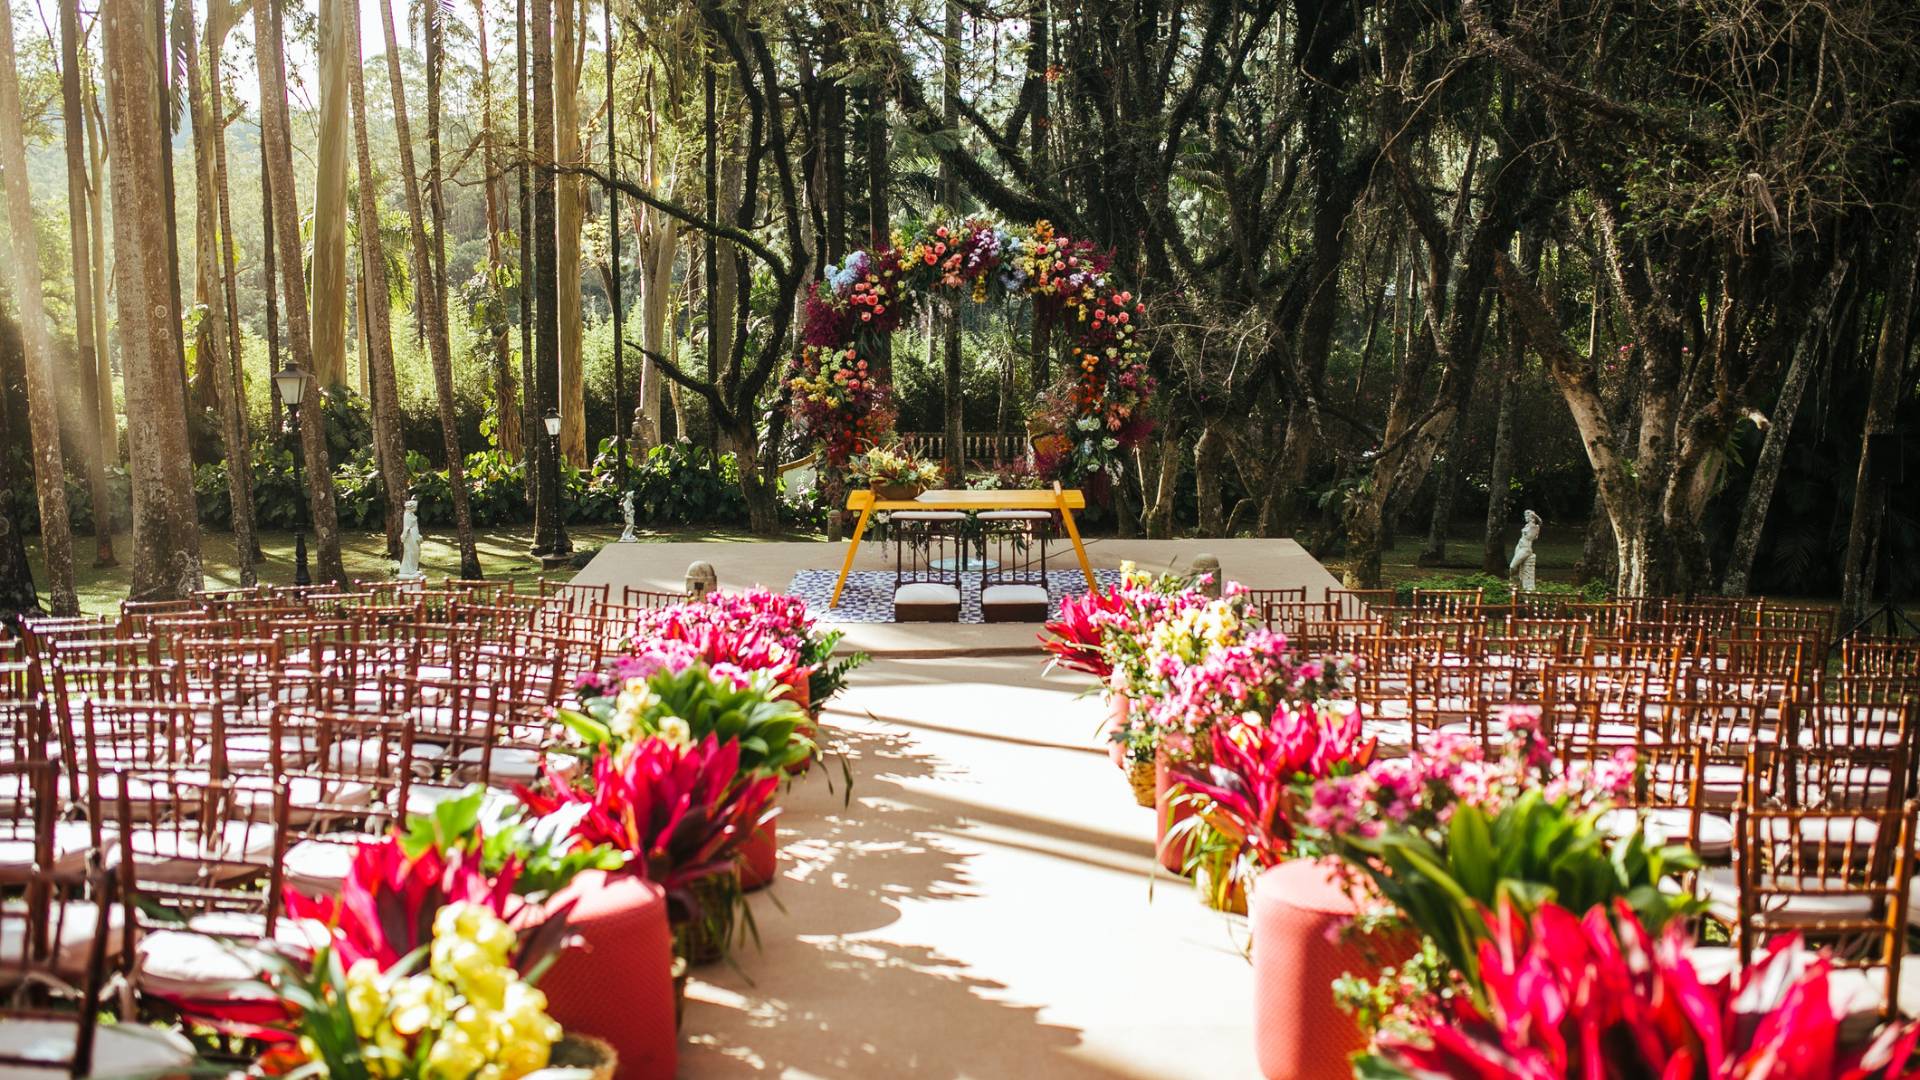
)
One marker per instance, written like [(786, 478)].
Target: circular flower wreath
[(1100, 407)]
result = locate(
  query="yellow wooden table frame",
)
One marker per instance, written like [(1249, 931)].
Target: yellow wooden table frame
[(1065, 502)]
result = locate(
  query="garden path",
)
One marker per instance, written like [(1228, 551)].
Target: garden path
[(982, 907)]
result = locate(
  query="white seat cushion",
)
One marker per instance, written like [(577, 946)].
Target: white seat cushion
[(926, 592), (77, 920), (72, 840), (1016, 515), (506, 764), (119, 1050), (215, 950), (1670, 825), (317, 867), (1013, 594)]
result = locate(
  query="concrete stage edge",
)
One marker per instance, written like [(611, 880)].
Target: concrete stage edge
[(1258, 564)]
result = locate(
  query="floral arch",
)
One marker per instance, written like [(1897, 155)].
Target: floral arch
[(1100, 405)]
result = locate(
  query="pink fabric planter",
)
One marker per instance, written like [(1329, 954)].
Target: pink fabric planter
[(618, 984), (1165, 816), (760, 857), (1296, 913)]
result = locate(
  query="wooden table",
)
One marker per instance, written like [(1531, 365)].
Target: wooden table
[(1065, 502)]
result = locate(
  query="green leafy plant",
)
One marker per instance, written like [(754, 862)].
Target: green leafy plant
[(690, 704), (498, 833)]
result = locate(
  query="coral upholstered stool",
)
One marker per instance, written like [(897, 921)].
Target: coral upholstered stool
[(618, 984), (1298, 1031)]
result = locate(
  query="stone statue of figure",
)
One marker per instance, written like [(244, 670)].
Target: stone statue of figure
[(1520, 571), (410, 544), (626, 514)]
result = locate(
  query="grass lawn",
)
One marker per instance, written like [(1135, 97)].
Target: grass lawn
[(503, 555)]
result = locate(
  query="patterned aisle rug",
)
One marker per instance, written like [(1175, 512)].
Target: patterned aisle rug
[(868, 597)]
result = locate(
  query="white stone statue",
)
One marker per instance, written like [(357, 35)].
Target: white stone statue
[(410, 544), (1520, 571), (626, 513)]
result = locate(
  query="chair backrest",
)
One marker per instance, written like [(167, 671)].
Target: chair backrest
[(1838, 878)]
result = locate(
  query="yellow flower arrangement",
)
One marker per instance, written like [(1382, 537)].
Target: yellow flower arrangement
[(478, 1020)]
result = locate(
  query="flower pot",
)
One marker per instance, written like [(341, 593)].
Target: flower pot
[(1166, 814), (898, 492), (579, 1057), (759, 859), (1297, 911), (1140, 774), (617, 984)]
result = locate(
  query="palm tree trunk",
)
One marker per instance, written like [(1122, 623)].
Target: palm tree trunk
[(49, 471), (376, 305), (166, 529), (278, 149), (432, 306), (97, 184), (73, 127)]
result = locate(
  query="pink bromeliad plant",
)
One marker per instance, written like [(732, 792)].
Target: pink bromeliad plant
[(1075, 639), (1246, 797), (1600, 997), (680, 813)]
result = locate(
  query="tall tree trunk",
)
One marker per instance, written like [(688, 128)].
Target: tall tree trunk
[(1870, 488), (433, 305), (166, 529), (506, 391), (953, 396), (97, 185), (220, 18), (1813, 345), (376, 304), (549, 531), (659, 236), (86, 346), (879, 181), (529, 414), (49, 470), (215, 339), (277, 146), (1445, 483), (1039, 27), (336, 54), (1493, 549), (1209, 452), (569, 52)]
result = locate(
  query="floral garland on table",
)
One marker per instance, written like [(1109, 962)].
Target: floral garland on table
[(1101, 407)]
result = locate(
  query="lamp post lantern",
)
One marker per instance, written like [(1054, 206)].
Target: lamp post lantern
[(561, 545), (292, 384)]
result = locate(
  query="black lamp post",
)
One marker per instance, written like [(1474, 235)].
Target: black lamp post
[(292, 383), (561, 545)]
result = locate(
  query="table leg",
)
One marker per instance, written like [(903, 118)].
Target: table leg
[(853, 546), (1073, 533)]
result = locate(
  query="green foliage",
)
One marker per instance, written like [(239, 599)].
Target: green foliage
[(681, 483), (694, 703), (499, 830), (1536, 850)]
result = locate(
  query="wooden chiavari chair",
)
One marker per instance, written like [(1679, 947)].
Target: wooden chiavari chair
[(352, 789), (1839, 885), (635, 596), (1880, 658), (1458, 603), (1600, 702), (1448, 696), (1358, 604)]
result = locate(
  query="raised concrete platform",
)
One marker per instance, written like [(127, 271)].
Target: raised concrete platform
[(1258, 564)]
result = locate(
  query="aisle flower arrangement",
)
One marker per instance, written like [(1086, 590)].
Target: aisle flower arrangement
[(1101, 405), (1601, 995), (453, 1008)]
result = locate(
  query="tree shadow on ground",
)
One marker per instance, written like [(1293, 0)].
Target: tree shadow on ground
[(816, 1000)]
